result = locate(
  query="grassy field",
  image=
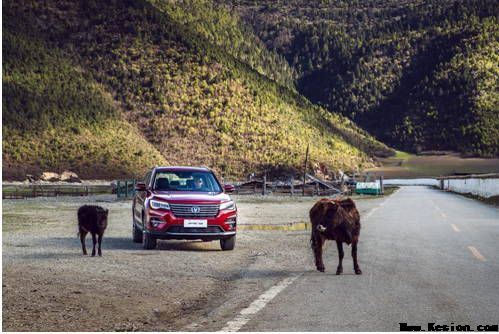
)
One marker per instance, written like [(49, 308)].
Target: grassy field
[(405, 165)]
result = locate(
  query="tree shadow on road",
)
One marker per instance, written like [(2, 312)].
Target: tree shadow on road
[(115, 243), (259, 273), (57, 247), (69, 247)]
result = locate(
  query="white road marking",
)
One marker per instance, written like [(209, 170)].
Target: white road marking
[(440, 211), (476, 253), (245, 315), (367, 215), (455, 228)]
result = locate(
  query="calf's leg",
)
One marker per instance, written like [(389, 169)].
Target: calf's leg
[(100, 243), (356, 267), (317, 243), (83, 234), (339, 244), (94, 240)]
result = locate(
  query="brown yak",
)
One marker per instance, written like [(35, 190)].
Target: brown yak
[(335, 220)]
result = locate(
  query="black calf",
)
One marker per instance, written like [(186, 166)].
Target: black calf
[(92, 219)]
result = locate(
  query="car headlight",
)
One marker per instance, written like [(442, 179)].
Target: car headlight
[(230, 205), (159, 205)]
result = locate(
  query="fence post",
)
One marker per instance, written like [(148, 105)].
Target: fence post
[(292, 186), (305, 170), (381, 185), (264, 187)]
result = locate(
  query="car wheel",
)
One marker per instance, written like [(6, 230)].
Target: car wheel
[(149, 241), (228, 244), (137, 234)]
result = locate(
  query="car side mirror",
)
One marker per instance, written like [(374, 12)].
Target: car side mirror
[(228, 188), (140, 186)]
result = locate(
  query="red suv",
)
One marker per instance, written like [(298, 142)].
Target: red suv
[(183, 203)]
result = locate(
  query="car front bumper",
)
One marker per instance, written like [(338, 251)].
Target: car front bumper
[(223, 226), (194, 235)]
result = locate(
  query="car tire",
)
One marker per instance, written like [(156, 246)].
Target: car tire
[(137, 234), (149, 241), (228, 244)]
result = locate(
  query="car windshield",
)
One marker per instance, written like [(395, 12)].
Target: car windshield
[(186, 181)]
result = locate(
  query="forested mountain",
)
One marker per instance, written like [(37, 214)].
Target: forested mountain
[(420, 75), (224, 30), (110, 88)]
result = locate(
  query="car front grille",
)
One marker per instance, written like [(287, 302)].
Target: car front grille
[(187, 230), (199, 211)]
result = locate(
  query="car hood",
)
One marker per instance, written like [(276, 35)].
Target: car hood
[(191, 197)]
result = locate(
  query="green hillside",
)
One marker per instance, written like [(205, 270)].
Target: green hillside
[(108, 89), (420, 75), (56, 117), (224, 29)]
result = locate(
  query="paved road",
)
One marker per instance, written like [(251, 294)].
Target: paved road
[(427, 256)]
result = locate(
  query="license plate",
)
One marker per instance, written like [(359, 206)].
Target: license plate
[(195, 223)]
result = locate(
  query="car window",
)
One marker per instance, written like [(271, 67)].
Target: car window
[(186, 181)]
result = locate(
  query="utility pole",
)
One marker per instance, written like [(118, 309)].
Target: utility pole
[(305, 170)]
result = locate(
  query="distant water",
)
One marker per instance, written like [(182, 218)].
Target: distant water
[(411, 182)]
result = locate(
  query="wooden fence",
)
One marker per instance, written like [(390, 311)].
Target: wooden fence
[(125, 188), (122, 188), (291, 187), (272, 189), (49, 190)]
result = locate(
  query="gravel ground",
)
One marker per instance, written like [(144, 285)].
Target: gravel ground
[(183, 285)]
